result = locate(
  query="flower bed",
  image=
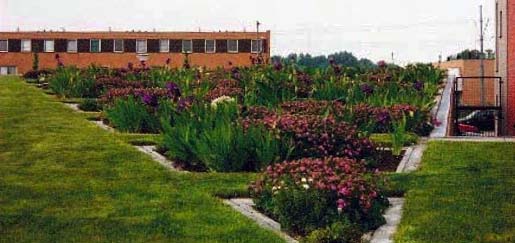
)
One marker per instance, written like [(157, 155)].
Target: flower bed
[(320, 197), (308, 131)]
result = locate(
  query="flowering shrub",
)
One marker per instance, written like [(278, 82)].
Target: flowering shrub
[(106, 83), (312, 107), (308, 194), (225, 88), (111, 95)]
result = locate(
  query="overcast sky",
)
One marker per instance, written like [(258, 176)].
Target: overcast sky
[(414, 30)]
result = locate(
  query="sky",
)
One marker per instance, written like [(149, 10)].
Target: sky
[(413, 30)]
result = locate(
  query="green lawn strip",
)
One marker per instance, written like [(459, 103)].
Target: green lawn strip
[(62, 179), (385, 139), (462, 193)]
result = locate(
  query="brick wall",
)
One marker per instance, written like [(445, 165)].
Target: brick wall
[(83, 58), (510, 34)]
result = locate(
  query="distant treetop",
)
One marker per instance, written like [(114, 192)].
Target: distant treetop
[(346, 59), (472, 55)]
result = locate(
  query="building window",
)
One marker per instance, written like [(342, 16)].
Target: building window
[(187, 46), (49, 46), (232, 46), (256, 46), (4, 45), (164, 45), (26, 45), (8, 71), (210, 46), (71, 46), (141, 46), (118, 45), (94, 46)]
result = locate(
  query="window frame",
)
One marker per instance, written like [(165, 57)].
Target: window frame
[(237, 46), (68, 46), (260, 46), (6, 45), (146, 46), (99, 45), (114, 46), (30, 45), (501, 27), (191, 46), (214, 46), (45, 46), (167, 50)]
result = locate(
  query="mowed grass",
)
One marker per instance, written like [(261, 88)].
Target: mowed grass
[(464, 192), (62, 179)]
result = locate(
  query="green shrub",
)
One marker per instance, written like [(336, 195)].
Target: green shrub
[(71, 82), (208, 137), (339, 232), (90, 105), (130, 115)]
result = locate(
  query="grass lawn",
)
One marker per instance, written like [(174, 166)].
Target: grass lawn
[(62, 179), (464, 192)]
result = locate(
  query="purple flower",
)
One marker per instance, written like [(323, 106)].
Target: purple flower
[(381, 64), (367, 89), (278, 66), (419, 85), (174, 91), (235, 73), (185, 103), (383, 117), (150, 100), (332, 62)]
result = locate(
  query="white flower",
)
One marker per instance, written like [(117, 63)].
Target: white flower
[(222, 99)]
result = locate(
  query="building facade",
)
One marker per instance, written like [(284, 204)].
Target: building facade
[(117, 49), (505, 60)]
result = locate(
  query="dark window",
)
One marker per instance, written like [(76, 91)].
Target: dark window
[(107, 45), (199, 46), (61, 45), (244, 45), (176, 46), (129, 45), (153, 45), (37, 45), (14, 45), (221, 46)]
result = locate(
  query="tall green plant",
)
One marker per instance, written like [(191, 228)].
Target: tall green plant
[(130, 115), (399, 136)]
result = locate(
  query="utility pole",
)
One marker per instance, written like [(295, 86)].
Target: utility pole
[(481, 56)]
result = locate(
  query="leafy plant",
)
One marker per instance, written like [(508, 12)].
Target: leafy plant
[(399, 136), (129, 115)]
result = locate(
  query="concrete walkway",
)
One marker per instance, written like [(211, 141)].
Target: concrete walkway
[(442, 110)]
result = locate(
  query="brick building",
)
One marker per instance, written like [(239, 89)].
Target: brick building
[(469, 88), (505, 66), (117, 49)]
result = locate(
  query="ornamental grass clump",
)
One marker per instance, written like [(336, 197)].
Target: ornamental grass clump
[(309, 194)]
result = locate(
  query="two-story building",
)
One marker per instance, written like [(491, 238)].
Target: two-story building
[(117, 49)]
